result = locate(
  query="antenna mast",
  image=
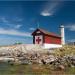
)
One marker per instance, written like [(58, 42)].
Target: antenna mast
[(38, 24)]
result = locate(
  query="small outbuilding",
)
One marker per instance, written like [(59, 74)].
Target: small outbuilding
[(46, 39)]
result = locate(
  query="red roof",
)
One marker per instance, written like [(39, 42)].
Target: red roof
[(46, 32)]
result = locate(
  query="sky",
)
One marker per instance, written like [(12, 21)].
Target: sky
[(18, 19)]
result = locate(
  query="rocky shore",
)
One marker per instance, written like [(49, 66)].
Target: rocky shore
[(60, 58)]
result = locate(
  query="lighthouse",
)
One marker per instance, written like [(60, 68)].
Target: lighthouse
[(62, 34)]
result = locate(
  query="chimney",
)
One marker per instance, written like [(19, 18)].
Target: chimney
[(62, 34)]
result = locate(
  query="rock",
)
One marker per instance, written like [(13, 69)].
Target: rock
[(6, 59), (43, 61), (50, 59), (61, 67), (25, 62), (36, 61), (72, 58)]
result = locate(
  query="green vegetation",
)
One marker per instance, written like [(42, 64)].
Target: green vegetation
[(67, 50), (36, 69), (7, 69), (18, 43)]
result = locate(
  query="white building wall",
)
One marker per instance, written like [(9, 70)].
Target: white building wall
[(48, 46)]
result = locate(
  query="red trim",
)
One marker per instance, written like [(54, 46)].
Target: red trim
[(45, 33)]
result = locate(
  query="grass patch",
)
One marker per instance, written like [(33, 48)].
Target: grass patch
[(35, 69)]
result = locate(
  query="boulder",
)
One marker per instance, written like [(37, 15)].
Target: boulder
[(61, 67)]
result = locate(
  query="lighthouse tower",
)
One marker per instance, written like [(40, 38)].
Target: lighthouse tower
[(62, 34)]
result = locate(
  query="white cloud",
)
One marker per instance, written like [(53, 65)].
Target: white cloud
[(14, 32), (3, 19), (18, 26), (71, 27), (18, 19), (71, 40), (7, 20), (10, 23), (46, 13), (11, 40), (50, 8), (31, 28)]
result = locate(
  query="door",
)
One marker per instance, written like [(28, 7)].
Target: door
[(39, 39)]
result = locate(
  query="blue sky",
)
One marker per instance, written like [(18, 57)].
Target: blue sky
[(18, 19)]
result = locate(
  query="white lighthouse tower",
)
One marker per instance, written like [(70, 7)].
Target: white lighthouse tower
[(62, 34)]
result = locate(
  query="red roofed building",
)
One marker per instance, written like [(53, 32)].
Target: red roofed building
[(45, 38)]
